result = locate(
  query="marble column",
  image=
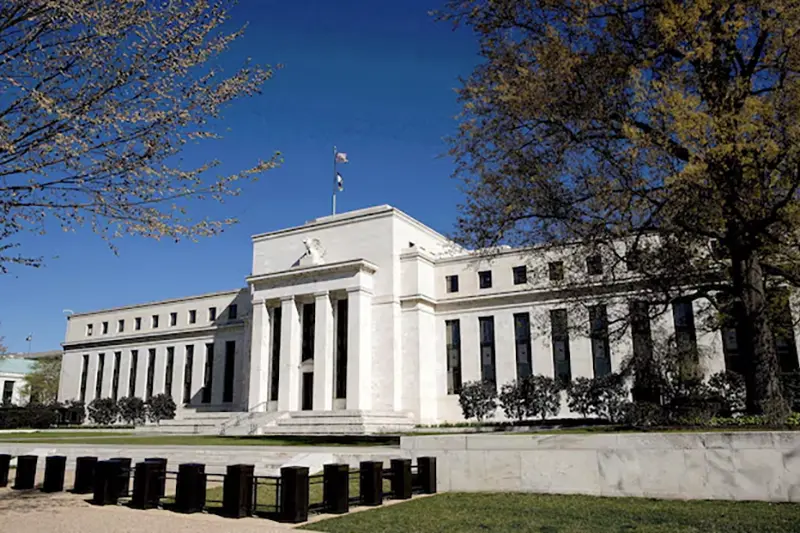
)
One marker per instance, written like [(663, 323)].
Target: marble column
[(323, 352), (289, 384), (259, 358), (359, 349)]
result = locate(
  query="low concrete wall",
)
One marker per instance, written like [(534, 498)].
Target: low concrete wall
[(729, 466)]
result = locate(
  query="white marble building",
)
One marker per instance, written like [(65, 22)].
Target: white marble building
[(362, 320)]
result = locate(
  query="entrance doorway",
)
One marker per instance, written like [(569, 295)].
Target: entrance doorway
[(308, 391)]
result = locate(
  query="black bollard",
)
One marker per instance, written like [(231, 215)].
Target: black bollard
[(401, 479), (26, 472), (426, 469), (54, 467), (107, 478), (124, 475), (146, 485), (237, 491), (162, 465), (371, 482), (84, 475), (5, 465), (336, 488), (190, 493), (294, 494)]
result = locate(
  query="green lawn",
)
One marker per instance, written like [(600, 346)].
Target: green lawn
[(206, 440), (529, 513)]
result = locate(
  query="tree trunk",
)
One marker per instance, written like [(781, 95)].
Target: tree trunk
[(756, 343)]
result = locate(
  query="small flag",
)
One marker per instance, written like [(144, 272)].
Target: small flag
[(29, 338), (340, 181), (341, 157)]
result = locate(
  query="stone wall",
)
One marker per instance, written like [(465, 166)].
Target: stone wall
[(728, 466)]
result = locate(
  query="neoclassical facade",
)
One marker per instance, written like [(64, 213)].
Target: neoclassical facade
[(367, 319)]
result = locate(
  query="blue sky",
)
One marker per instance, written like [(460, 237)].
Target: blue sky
[(374, 78)]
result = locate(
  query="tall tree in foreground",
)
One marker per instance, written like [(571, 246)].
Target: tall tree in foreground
[(41, 383), (608, 121), (97, 98)]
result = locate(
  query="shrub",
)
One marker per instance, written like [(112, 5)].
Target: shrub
[(643, 414), (545, 396), (103, 411), (132, 410), (160, 407), (729, 390), (514, 399), (791, 389), (691, 399), (72, 412), (582, 396), (33, 416), (478, 399), (611, 396)]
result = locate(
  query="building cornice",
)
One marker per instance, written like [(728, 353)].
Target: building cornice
[(151, 337), (355, 265), (329, 221), (159, 302)]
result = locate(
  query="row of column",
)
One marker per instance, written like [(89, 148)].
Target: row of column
[(359, 352)]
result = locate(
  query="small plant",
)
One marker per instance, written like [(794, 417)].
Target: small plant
[(72, 412), (611, 396), (729, 389), (514, 399), (545, 396), (478, 400), (132, 410), (103, 411), (582, 396), (160, 407)]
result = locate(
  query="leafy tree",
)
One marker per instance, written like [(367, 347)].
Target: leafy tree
[(478, 400), (661, 135), (612, 397), (41, 383), (98, 99), (514, 399), (582, 396), (103, 411), (545, 396), (132, 410), (729, 387), (72, 412), (160, 407)]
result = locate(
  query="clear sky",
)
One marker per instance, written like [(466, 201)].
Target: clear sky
[(373, 77)]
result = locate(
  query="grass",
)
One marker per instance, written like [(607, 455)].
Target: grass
[(208, 440), (40, 435), (529, 513)]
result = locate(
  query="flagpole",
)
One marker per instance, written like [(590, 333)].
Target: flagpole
[(333, 207)]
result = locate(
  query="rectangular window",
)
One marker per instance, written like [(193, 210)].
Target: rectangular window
[(601, 350), (633, 260), (212, 314), (730, 349), (233, 311), (522, 338), (187, 374), (8, 392), (453, 340), (120, 326), (170, 367), (594, 265), (105, 328), (115, 379), (208, 373), (307, 343), (98, 384), (486, 328), (685, 336), (89, 329), (783, 329), (520, 275), (84, 376), (132, 375), (137, 323), (154, 321), (642, 346), (230, 361), (341, 349), (173, 319), (192, 316), (452, 283), (151, 373), (560, 337), (485, 279), (275, 365), (555, 270)]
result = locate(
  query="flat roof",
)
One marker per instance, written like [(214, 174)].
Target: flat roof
[(158, 302)]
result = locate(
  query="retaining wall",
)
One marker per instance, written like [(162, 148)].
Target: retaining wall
[(728, 466)]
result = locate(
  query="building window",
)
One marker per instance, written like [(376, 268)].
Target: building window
[(132, 375), (275, 364), (169, 371), (556, 270), (341, 349), (105, 328), (115, 379), (137, 323), (8, 392), (233, 311), (633, 260), (212, 314), (452, 283), (520, 275), (685, 336), (84, 377), (208, 373), (601, 350), (89, 329), (594, 265), (453, 340), (151, 373), (98, 383), (560, 337), (230, 361), (642, 348), (173, 319), (522, 338), (154, 321), (187, 374), (308, 332), (192, 316), (120, 326), (485, 279), (486, 329)]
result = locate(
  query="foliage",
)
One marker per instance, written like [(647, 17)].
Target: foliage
[(514, 399), (103, 411), (544, 396), (71, 412), (35, 416), (729, 388), (604, 397), (478, 399), (41, 383), (581, 396), (132, 410), (160, 407), (98, 99), (791, 389), (643, 414), (664, 132)]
